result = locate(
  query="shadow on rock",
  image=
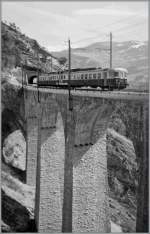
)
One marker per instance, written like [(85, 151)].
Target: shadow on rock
[(15, 215)]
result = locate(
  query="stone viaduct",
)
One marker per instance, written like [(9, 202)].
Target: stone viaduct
[(67, 160)]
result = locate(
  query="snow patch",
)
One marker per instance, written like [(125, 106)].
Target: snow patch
[(119, 45), (138, 45)]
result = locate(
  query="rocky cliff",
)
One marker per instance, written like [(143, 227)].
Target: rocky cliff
[(18, 49)]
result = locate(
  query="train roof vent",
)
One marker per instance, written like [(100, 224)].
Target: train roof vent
[(121, 69)]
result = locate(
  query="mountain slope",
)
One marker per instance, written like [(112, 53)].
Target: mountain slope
[(17, 48)]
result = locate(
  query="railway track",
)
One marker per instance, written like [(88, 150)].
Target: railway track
[(89, 90)]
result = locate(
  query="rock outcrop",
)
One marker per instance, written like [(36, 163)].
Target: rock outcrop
[(122, 164), (17, 204)]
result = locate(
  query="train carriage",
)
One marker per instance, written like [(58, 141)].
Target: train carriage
[(94, 77)]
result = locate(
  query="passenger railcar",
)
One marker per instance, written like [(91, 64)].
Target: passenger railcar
[(93, 77)]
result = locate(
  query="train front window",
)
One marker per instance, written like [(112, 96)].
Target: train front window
[(116, 74)]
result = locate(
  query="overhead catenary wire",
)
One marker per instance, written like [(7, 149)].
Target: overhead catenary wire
[(115, 32), (104, 27), (121, 30)]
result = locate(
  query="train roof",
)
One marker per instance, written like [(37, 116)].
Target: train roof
[(90, 69), (77, 69), (85, 69), (121, 69)]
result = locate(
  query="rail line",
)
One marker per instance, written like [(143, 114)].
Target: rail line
[(128, 92)]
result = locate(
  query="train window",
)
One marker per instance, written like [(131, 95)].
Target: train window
[(86, 76), (90, 76), (94, 76), (82, 76), (116, 73), (99, 75)]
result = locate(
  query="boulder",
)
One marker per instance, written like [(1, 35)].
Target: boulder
[(115, 227), (14, 150)]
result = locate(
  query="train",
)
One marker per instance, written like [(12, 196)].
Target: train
[(103, 78)]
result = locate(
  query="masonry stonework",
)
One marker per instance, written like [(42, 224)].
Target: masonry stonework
[(49, 191), (71, 185), (31, 117), (31, 151)]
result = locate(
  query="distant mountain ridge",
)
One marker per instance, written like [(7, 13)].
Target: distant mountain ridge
[(132, 55)]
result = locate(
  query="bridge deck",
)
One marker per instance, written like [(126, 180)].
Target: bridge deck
[(101, 94)]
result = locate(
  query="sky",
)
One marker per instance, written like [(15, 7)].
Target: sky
[(84, 22)]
